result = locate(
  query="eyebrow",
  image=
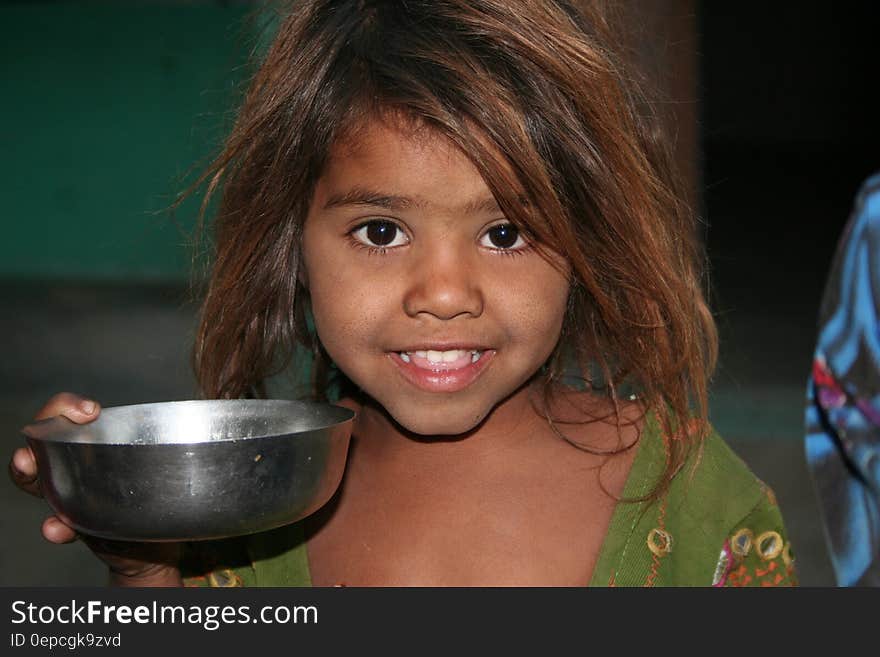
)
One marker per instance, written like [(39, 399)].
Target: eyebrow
[(362, 196)]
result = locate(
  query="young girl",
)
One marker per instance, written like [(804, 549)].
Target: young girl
[(465, 213)]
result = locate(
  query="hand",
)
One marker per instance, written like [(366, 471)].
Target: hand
[(130, 564)]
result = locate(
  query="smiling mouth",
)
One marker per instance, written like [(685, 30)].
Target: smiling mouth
[(450, 370), (439, 361)]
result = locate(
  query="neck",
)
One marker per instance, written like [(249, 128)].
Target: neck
[(509, 424)]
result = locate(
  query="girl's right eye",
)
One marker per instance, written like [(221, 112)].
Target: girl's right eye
[(380, 234)]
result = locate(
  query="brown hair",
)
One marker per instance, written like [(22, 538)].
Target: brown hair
[(536, 95)]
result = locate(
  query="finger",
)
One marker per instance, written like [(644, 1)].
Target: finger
[(56, 531), (23, 470), (24, 464), (73, 407), (349, 403)]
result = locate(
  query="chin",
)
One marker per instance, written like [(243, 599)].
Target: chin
[(441, 424)]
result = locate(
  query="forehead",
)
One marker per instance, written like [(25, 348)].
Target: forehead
[(401, 158)]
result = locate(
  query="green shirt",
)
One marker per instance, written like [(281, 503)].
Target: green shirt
[(717, 525)]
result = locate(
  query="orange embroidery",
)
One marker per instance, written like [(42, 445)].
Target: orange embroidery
[(777, 568), (195, 581), (766, 571), (659, 540), (740, 577)]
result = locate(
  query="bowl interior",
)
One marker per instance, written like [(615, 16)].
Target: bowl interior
[(194, 421)]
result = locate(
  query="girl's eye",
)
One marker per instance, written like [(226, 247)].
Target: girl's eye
[(504, 237), (380, 233)]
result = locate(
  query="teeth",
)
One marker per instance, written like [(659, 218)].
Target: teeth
[(445, 356), (452, 356), (437, 357)]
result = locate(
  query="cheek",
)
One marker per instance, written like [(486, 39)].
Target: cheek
[(537, 308), (323, 275), (346, 310), (338, 319)]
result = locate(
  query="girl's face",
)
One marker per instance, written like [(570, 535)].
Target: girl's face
[(422, 293)]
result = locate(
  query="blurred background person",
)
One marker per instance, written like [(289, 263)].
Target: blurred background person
[(843, 398)]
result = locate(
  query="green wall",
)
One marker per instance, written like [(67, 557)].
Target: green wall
[(105, 107)]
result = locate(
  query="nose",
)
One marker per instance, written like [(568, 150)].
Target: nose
[(443, 284)]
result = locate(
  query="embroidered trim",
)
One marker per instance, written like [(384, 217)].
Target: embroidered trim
[(740, 577), (658, 549), (771, 565), (659, 542), (741, 542), (787, 559), (664, 548), (225, 578), (724, 566), (769, 545)]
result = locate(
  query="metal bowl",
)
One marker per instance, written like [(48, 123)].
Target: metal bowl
[(191, 470)]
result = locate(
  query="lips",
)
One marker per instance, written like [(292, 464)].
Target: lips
[(442, 369)]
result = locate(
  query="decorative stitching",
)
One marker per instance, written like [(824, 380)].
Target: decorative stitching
[(787, 559), (661, 521), (225, 578), (773, 549), (659, 542), (629, 537), (766, 571), (660, 552), (725, 564), (741, 542), (195, 581), (740, 577)]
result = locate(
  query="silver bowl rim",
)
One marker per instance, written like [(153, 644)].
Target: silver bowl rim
[(60, 429)]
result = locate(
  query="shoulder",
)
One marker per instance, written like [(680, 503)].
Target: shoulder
[(717, 524), (862, 229), (728, 520), (715, 488), (869, 191)]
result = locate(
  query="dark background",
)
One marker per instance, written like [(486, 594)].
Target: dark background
[(788, 132), (783, 112)]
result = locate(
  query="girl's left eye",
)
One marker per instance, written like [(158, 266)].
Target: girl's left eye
[(503, 237), (380, 234)]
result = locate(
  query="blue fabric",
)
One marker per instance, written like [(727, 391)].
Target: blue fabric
[(843, 398)]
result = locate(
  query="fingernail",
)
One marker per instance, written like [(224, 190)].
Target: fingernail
[(87, 407)]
